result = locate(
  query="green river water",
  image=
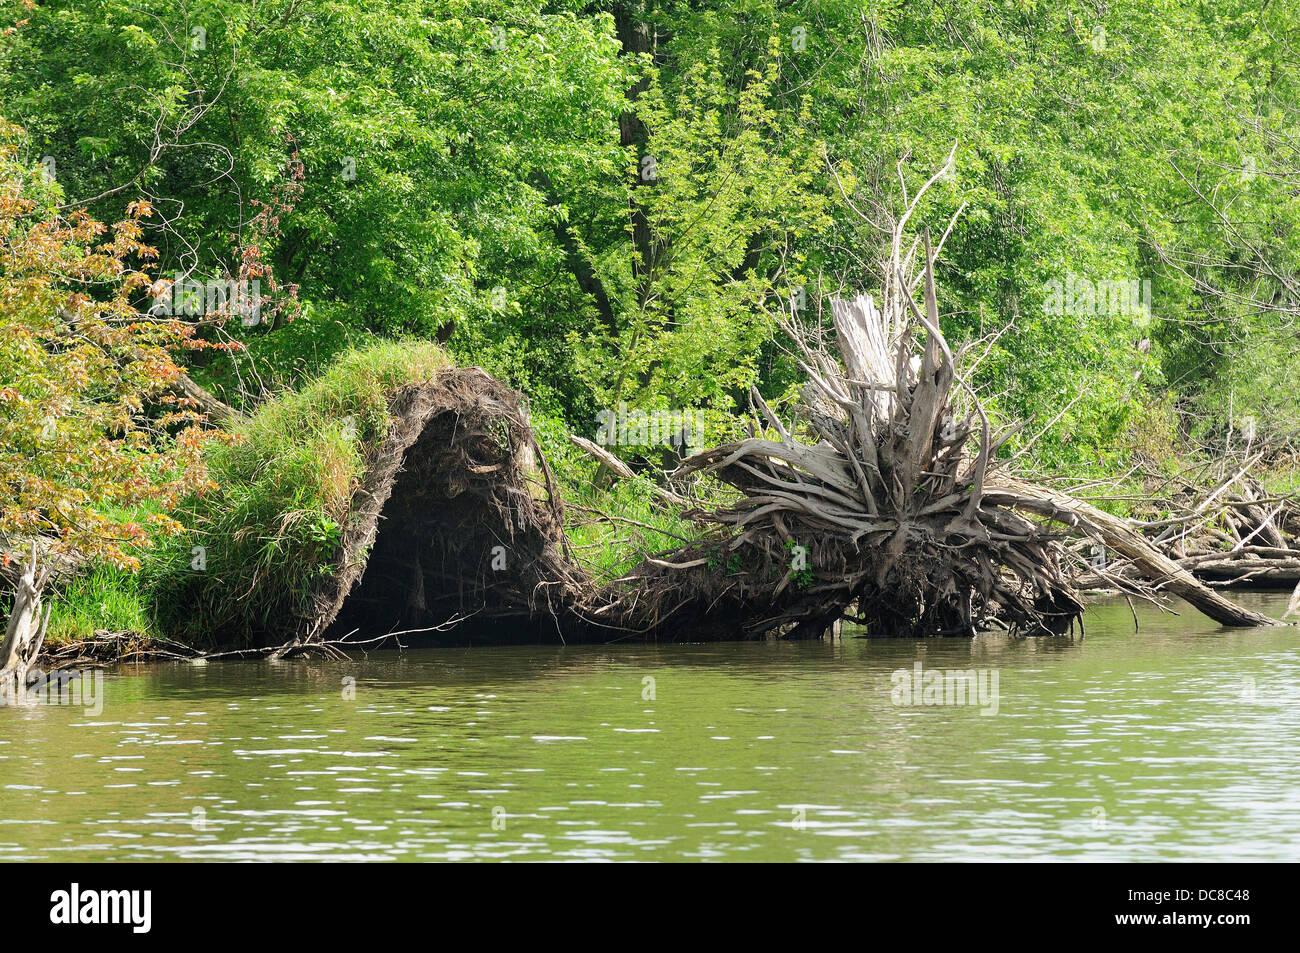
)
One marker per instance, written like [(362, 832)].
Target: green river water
[(1179, 741)]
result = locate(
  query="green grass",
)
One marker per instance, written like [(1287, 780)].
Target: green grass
[(639, 525), (259, 543), (105, 598), (606, 547)]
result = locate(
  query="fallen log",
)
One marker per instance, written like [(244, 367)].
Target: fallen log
[(216, 410), (52, 558), (1119, 536), (620, 469)]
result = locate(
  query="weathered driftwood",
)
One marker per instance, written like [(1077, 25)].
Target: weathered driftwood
[(1236, 536), (28, 619), (1148, 561), (52, 558), (882, 519)]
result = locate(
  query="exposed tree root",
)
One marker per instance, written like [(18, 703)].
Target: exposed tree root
[(447, 526)]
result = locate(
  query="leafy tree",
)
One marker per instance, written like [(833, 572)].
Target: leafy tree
[(420, 128), (719, 209), (86, 464)]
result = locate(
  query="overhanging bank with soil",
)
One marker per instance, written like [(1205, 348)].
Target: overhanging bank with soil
[(445, 538)]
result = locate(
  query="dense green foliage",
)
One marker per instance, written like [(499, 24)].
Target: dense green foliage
[(608, 199), (105, 599)]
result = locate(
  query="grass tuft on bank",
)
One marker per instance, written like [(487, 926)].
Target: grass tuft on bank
[(106, 598), (259, 543)]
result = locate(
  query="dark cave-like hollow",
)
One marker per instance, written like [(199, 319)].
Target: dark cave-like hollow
[(456, 540)]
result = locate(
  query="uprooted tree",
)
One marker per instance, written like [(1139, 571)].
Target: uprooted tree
[(892, 517), (889, 508)]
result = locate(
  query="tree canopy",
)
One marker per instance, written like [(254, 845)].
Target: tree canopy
[(610, 202)]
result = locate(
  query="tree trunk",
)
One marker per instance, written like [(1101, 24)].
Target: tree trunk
[(27, 622), (1117, 534), (218, 412)]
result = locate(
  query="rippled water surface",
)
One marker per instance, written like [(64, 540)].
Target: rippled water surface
[(1180, 741)]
